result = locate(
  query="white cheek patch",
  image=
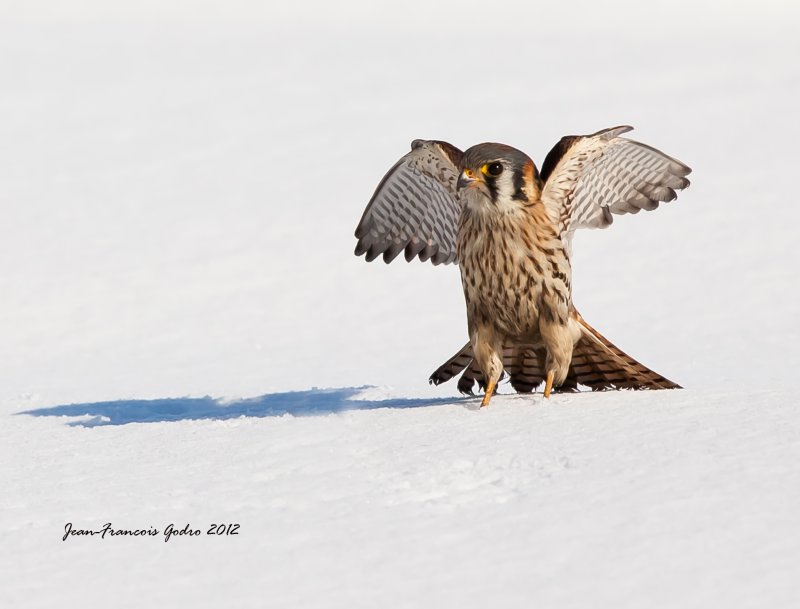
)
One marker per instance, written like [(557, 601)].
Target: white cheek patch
[(504, 183)]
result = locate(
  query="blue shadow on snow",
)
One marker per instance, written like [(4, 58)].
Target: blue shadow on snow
[(297, 403)]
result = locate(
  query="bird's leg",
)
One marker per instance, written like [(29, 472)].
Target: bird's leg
[(488, 348), (489, 393), (559, 340), (549, 384)]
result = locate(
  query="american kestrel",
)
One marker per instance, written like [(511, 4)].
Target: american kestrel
[(509, 227)]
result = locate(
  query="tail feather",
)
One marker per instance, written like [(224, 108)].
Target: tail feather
[(463, 360), (453, 366), (596, 363), (518, 363), (600, 364)]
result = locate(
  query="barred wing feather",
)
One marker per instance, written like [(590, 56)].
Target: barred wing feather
[(589, 178), (415, 207)]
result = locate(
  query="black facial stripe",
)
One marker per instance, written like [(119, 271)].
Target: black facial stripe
[(491, 184), (519, 183)]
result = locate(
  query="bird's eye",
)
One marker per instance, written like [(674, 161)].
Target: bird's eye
[(493, 169)]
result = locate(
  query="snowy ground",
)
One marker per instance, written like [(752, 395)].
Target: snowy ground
[(179, 184)]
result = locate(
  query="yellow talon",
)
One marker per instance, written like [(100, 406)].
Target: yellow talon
[(549, 385), (489, 393)]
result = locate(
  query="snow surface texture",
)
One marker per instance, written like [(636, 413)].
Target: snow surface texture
[(179, 184)]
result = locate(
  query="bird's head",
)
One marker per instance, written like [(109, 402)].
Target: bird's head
[(497, 175)]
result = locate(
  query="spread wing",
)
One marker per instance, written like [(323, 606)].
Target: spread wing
[(587, 178), (415, 207)]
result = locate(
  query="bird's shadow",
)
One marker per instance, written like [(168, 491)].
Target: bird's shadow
[(297, 403)]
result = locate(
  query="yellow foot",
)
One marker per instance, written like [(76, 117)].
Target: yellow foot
[(549, 385), (489, 393)]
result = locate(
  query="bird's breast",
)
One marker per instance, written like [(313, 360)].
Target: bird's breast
[(510, 272)]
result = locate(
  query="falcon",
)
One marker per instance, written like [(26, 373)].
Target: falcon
[(509, 227)]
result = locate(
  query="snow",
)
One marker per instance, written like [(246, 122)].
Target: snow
[(662, 499), (188, 339)]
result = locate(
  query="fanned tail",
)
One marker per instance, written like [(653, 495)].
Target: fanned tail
[(599, 364), (596, 363)]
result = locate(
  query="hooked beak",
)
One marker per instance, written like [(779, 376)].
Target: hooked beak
[(466, 179)]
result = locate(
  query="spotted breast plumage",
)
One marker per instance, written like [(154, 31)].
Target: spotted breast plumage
[(510, 227)]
